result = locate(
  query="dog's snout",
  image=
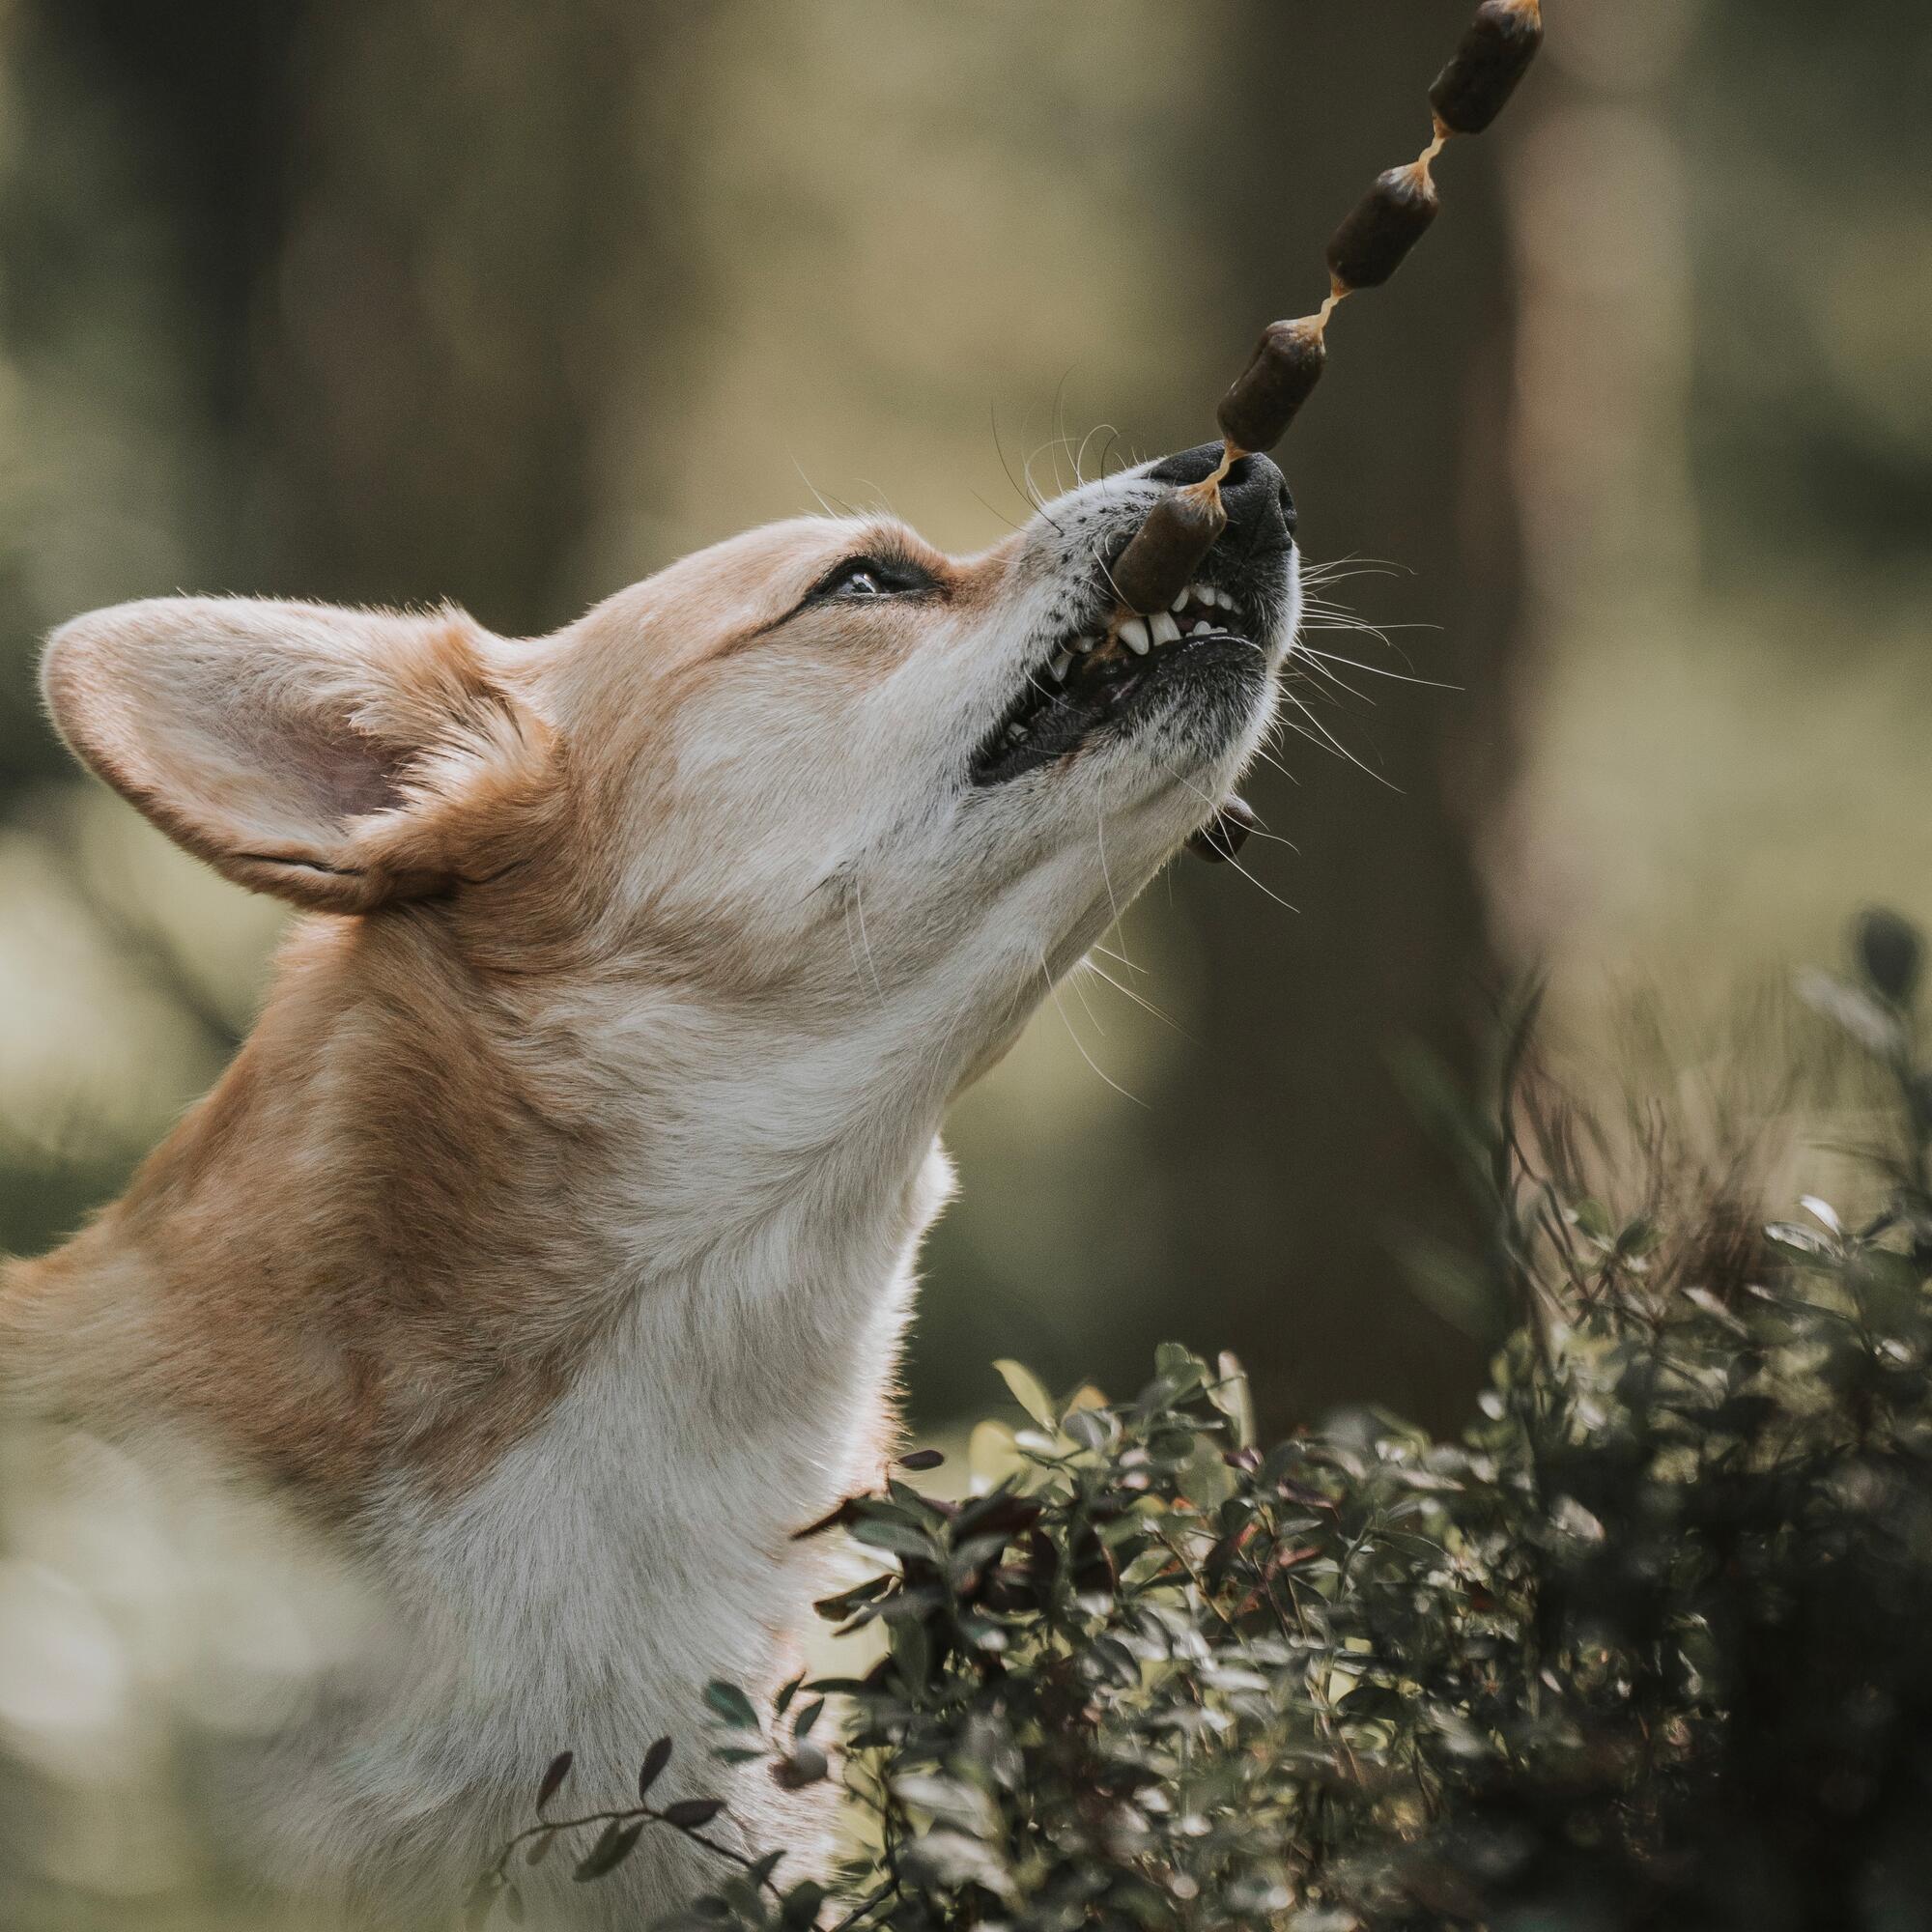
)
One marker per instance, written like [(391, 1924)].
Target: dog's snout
[(1260, 507)]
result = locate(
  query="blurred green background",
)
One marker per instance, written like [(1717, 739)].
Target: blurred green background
[(404, 300)]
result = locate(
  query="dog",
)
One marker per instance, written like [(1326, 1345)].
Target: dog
[(547, 1250)]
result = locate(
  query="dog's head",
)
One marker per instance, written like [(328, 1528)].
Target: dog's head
[(822, 759)]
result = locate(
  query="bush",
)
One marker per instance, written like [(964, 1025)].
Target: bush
[(1651, 1645)]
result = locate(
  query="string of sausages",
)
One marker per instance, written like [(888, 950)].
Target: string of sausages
[(1495, 53)]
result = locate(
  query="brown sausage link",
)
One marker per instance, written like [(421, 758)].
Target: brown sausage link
[(1386, 223), (1257, 411), (1485, 71), (1168, 549)]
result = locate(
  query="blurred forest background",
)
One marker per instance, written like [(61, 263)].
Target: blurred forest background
[(404, 300)]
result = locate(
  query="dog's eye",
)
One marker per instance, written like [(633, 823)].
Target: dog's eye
[(865, 576)]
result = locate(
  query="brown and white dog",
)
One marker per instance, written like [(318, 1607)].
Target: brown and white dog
[(549, 1246)]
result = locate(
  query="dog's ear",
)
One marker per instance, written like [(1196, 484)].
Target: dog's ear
[(339, 759)]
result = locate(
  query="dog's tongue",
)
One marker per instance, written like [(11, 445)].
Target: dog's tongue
[(1226, 832)]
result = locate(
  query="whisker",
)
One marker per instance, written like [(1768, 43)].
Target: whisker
[(986, 503), (1326, 737), (1079, 1044), (1187, 785), (1086, 1005), (1019, 490), (1118, 958), (1146, 1004), (1299, 649), (859, 905), (1107, 878)]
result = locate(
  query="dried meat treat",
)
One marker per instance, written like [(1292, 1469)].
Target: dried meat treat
[(1386, 223), (1485, 71), (1162, 560), (1256, 412)]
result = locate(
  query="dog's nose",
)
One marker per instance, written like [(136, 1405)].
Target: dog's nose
[(1260, 509)]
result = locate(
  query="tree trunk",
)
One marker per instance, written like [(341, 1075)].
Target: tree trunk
[(1298, 1164)]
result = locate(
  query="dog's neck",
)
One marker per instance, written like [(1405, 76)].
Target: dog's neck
[(422, 1205)]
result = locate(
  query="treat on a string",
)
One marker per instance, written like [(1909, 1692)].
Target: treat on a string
[(1266, 398), (1159, 565), (1375, 239), (1365, 252), (1383, 226), (1485, 71)]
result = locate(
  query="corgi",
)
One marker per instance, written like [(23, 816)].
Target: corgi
[(546, 1251)]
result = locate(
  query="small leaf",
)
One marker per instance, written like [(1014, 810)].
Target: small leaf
[(478, 1907), (1823, 1212), (731, 1705), (1027, 1390), (1869, 1021), (761, 1871), (834, 1517), (836, 1609), (553, 1778), (806, 1765), (538, 1848), (513, 1904), (1232, 1396), (1708, 1303), (1179, 1366), (1805, 1245), (617, 1844), (800, 1905), (687, 1813), (900, 1538), (807, 1717), (922, 1459), (1591, 1217), (652, 1769), (782, 1703), (991, 1454), (1573, 1520), (1892, 955), (1088, 1427)]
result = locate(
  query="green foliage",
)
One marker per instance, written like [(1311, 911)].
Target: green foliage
[(1648, 1646)]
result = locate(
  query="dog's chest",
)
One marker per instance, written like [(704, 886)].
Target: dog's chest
[(641, 1540)]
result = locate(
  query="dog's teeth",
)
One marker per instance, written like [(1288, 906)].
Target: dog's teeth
[(1201, 625), (1181, 599), (1061, 665), (1166, 631), (1134, 633), (1223, 598), (1085, 644)]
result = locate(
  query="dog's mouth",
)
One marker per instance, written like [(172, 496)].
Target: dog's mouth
[(1097, 678)]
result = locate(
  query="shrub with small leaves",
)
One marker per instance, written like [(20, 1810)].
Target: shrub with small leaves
[(1649, 1646)]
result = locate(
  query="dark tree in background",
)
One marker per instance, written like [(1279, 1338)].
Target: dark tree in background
[(1404, 457), (1279, 1169)]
